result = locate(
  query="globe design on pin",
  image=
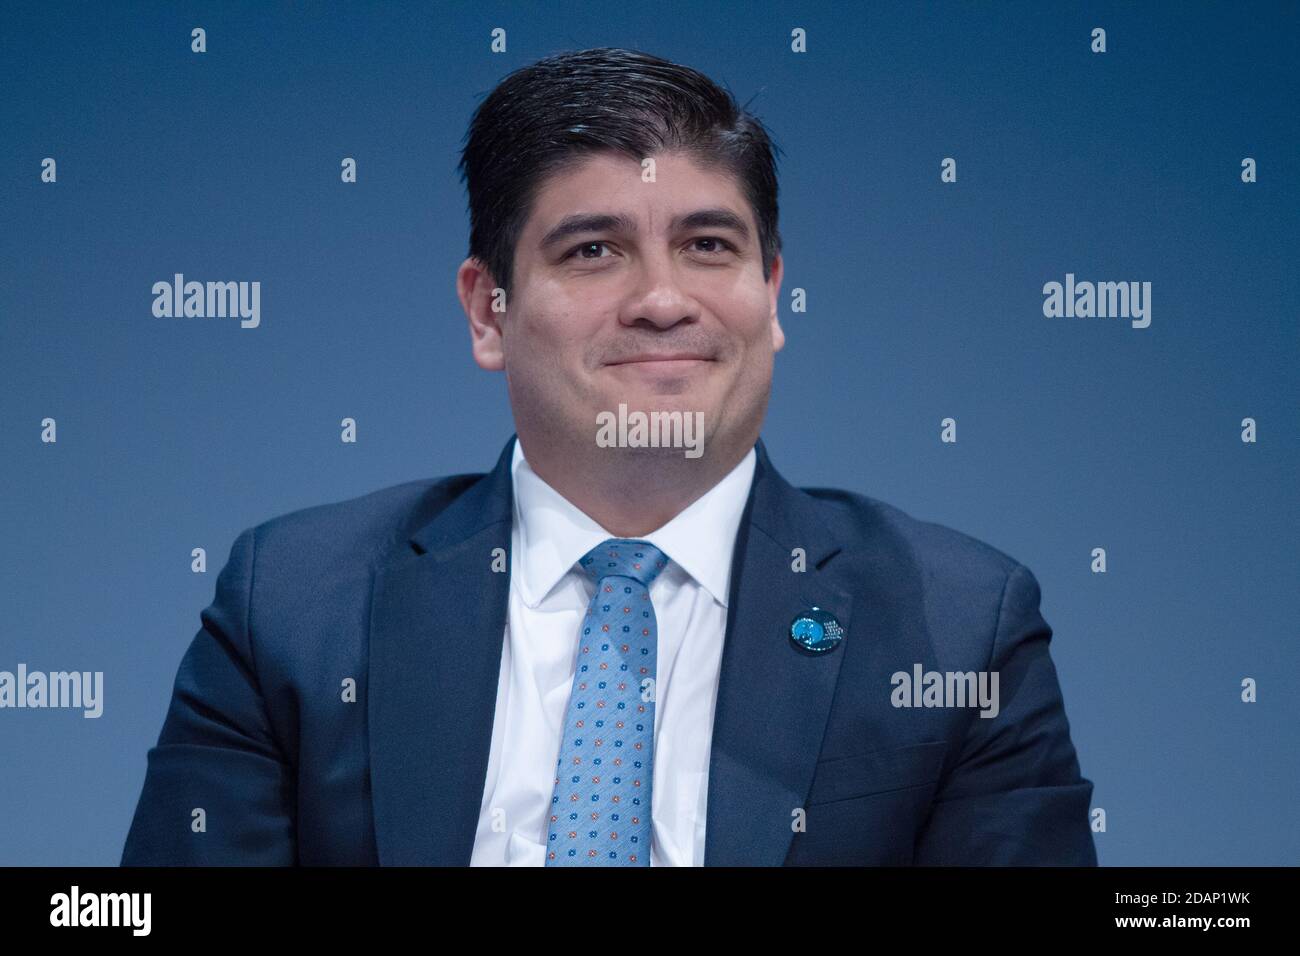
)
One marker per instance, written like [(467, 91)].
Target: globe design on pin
[(816, 630)]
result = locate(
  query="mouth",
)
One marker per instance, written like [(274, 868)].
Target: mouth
[(670, 361), (662, 369)]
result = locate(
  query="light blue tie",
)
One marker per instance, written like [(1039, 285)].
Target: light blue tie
[(600, 810)]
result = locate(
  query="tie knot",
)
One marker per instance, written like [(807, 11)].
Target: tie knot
[(624, 557)]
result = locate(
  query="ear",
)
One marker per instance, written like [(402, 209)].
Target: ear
[(477, 292), (774, 296)]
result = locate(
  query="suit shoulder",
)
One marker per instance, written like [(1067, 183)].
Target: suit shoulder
[(362, 527), (861, 519)]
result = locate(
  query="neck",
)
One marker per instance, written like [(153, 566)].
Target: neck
[(630, 492)]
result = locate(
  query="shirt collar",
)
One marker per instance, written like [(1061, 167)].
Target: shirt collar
[(554, 533)]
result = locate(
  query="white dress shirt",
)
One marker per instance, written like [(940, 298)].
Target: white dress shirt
[(548, 598)]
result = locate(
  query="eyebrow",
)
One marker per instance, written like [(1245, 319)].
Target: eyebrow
[(569, 226)]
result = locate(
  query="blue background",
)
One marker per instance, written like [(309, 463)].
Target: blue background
[(924, 301)]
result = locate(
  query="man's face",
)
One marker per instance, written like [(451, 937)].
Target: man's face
[(662, 307)]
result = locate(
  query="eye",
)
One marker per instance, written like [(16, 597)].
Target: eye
[(715, 239), (586, 245)]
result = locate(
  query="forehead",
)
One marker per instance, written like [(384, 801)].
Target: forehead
[(609, 182)]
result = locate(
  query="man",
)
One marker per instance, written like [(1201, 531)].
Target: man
[(612, 650)]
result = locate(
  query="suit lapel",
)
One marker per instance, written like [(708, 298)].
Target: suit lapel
[(773, 699), (438, 617)]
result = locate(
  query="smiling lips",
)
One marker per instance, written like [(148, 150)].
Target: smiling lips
[(678, 358)]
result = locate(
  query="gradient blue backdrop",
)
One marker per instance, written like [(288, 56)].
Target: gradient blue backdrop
[(924, 301)]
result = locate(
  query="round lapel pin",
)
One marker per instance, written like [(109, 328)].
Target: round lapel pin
[(816, 630)]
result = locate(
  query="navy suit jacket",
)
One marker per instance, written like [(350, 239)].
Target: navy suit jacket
[(812, 764)]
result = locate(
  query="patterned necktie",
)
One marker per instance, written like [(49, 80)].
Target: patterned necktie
[(600, 810)]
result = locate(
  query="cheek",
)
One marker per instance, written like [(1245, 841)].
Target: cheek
[(555, 320), (749, 323), (537, 331), (549, 348)]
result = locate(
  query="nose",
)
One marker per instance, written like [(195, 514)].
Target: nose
[(657, 295)]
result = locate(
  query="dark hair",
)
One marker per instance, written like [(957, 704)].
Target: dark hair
[(553, 113)]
